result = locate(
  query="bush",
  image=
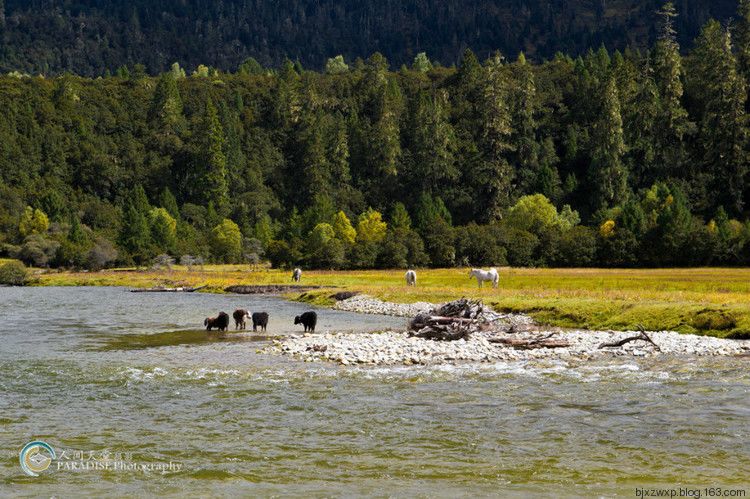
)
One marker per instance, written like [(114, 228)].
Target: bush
[(37, 250), (577, 247), (521, 246), (479, 245), (13, 273), (101, 254)]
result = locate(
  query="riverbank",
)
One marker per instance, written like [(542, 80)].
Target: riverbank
[(696, 301), (395, 347), (506, 338)]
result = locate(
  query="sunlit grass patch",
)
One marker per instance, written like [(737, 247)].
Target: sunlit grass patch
[(700, 301)]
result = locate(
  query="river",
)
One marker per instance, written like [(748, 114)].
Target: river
[(100, 373)]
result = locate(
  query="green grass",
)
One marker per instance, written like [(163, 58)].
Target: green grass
[(710, 301)]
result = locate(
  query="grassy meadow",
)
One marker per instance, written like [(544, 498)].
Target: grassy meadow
[(710, 301)]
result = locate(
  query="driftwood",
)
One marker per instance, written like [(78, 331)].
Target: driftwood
[(443, 333), (162, 289), (642, 335), (463, 308), (269, 289), (531, 343), (449, 322)]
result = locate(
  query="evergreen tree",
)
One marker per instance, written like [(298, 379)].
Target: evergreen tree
[(166, 105), (169, 203), (526, 154), (214, 161), (135, 235), (608, 173), (723, 126), (672, 125), (495, 175), (742, 38), (434, 145)]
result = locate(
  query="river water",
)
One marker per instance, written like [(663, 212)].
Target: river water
[(99, 372)]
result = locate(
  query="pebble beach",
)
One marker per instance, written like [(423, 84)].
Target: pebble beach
[(398, 347)]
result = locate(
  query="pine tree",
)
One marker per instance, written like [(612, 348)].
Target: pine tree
[(169, 203), (641, 131), (166, 105), (214, 160), (673, 124), (434, 145), (723, 127), (287, 99), (526, 154), (135, 234), (496, 174), (608, 173), (742, 38)]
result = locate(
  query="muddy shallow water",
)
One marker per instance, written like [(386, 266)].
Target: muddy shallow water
[(91, 370)]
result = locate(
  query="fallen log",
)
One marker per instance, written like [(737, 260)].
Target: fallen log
[(642, 335), (442, 333), (531, 343), (424, 320), (162, 289)]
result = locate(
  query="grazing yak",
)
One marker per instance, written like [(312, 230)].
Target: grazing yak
[(297, 274), (221, 322), (308, 319), (411, 278), (240, 316), (260, 319)]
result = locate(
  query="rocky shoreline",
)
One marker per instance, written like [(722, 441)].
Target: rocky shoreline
[(365, 304), (399, 347)]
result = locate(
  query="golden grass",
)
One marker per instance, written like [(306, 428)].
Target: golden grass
[(703, 301)]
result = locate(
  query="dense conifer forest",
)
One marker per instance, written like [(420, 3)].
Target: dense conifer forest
[(614, 158), (90, 37)]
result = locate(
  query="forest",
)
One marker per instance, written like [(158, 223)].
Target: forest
[(612, 158), (92, 37)]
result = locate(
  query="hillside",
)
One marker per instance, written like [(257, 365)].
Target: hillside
[(89, 37)]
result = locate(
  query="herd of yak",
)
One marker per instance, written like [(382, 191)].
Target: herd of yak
[(260, 320), (309, 319)]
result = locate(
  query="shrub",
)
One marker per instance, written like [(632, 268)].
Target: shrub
[(101, 254), (13, 273), (577, 247), (521, 246), (37, 250)]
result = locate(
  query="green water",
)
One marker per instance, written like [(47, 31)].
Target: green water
[(99, 369)]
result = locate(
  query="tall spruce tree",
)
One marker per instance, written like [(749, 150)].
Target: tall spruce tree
[(608, 172), (742, 38), (723, 124), (214, 161), (496, 174), (526, 154), (673, 124)]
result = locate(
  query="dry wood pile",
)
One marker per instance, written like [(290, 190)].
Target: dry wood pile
[(451, 321)]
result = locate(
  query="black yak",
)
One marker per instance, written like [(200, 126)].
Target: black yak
[(308, 319), (260, 319), (221, 322)]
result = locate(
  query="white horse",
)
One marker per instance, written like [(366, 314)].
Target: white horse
[(411, 278), (297, 274), (485, 275)]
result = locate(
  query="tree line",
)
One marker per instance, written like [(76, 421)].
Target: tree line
[(611, 158)]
